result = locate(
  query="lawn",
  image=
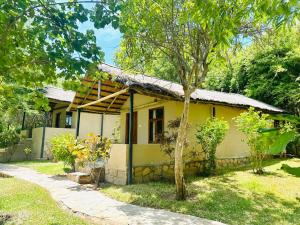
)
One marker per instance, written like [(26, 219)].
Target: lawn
[(46, 167), (30, 204), (235, 197)]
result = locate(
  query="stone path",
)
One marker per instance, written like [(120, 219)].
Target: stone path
[(94, 204)]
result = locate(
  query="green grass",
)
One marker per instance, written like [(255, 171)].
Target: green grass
[(31, 205), (43, 166), (236, 197)]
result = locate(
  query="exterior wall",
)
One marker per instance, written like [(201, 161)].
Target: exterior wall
[(149, 154), (116, 165), (37, 136), (91, 123), (62, 121)]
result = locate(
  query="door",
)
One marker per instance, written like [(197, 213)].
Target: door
[(57, 120), (134, 136)]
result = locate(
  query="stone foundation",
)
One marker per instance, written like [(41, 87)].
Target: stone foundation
[(116, 176), (142, 174)]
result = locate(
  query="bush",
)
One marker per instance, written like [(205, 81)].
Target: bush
[(209, 135), (251, 123), (8, 139), (64, 148), (93, 148), (27, 152)]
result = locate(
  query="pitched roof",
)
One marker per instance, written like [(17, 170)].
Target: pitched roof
[(59, 94), (176, 90)]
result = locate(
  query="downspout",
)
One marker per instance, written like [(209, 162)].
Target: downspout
[(130, 134)]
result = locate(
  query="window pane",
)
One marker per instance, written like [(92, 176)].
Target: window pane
[(150, 114), (159, 130), (160, 113), (151, 130)]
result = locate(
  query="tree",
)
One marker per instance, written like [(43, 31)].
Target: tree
[(191, 34), (267, 70), (41, 42), (210, 134)]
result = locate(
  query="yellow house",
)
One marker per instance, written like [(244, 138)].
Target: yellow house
[(146, 105), (60, 120)]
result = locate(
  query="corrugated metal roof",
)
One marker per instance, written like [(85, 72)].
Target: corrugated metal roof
[(177, 90), (59, 94)]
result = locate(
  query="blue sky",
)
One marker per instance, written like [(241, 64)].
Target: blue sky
[(107, 38)]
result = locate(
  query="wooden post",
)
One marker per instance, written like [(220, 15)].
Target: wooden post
[(78, 122), (23, 121), (130, 134), (101, 130), (44, 134)]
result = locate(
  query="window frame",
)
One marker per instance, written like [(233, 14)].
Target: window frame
[(155, 120)]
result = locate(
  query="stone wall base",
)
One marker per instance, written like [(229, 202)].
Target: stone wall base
[(116, 176), (143, 174)]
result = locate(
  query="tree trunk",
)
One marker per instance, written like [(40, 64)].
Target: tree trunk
[(180, 144)]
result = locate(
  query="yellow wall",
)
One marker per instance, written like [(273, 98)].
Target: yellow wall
[(37, 136), (91, 123), (145, 153)]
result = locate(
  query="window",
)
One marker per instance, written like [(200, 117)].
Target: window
[(68, 120), (156, 125), (276, 124)]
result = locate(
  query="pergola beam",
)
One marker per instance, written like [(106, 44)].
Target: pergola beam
[(104, 98)]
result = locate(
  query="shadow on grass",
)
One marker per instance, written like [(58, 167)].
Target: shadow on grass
[(295, 171), (217, 198)]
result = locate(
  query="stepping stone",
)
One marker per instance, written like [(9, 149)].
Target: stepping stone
[(78, 177)]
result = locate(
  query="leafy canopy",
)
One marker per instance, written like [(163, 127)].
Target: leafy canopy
[(267, 70)]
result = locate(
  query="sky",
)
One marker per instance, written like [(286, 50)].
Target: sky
[(107, 38)]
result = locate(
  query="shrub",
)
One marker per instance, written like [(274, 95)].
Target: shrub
[(8, 139), (27, 152), (64, 148), (209, 135), (251, 123), (94, 148)]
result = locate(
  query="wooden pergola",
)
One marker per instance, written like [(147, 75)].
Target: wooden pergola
[(101, 97), (105, 97)]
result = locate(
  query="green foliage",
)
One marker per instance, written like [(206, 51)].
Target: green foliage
[(64, 148), (9, 138), (250, 123), (168, 141), (266, 70), (41, 43), (210, 134), (95, 147), (27, 152)]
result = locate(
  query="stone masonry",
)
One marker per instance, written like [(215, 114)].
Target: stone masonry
[(146, 173)]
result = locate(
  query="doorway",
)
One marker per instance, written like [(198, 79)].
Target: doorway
[(134, 136)]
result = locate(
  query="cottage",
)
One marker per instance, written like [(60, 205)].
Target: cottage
[(60, 120), (146, 104)]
